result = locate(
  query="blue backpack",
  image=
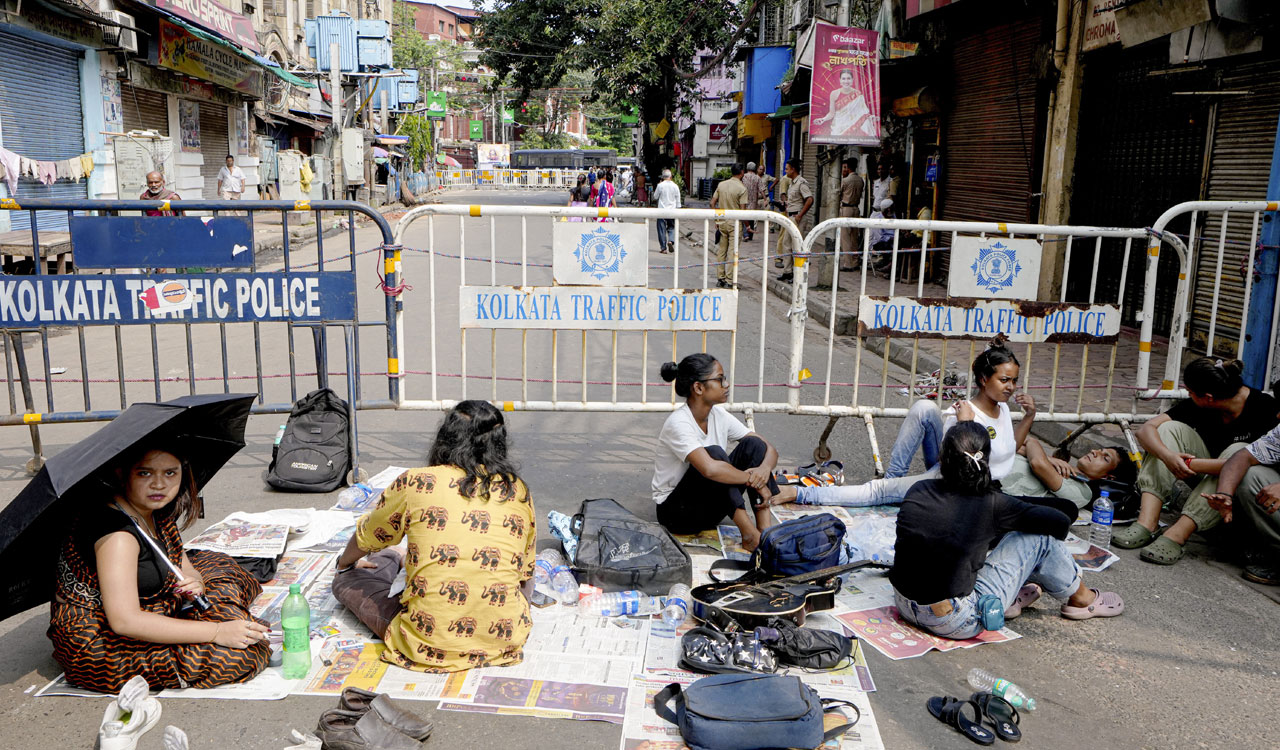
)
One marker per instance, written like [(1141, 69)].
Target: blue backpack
[(801, 545)]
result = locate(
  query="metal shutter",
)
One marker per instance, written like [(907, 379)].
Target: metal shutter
[(1239, 167), (40, 118), (213, 145), (144, 110)]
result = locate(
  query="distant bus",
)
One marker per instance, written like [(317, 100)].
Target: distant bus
[(547, 158), (599, 157)]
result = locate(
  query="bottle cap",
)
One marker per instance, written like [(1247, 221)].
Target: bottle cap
[(295, 588), (1104, 493)]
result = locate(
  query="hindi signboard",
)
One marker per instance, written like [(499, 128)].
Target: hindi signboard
[(600, 307), (844, 92), (982, 319)]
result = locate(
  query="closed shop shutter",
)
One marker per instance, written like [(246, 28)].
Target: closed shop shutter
[(213, 145), (40, 118), (990, 133), (1140, 150), (1239, 166), (144, 110)]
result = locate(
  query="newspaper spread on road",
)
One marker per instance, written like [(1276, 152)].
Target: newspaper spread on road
[(242, 538)]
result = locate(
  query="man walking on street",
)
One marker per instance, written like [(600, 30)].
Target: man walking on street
[(730, 195), (230, 181), (799, 201), (751, 181), (668, 195), (851, 188)]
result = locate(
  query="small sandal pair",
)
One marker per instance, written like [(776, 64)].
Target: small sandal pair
[(998, 712), (826, 474)]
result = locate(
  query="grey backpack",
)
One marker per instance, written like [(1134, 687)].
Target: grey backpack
[(619, 551), (315, 452)]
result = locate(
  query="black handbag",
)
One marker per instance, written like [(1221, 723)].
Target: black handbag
[(804, 647)]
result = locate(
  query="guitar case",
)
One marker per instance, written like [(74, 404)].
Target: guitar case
[(619, 551)]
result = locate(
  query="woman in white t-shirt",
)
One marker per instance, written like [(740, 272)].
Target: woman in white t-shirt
[(697, 481), (995, 372)]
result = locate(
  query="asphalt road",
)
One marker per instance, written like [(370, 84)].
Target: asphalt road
[(1191, 664)]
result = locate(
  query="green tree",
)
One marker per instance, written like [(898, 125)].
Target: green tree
[(410, 49), (420, 146), (637, 52)]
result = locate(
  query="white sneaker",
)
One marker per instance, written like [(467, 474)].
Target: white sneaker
[(142, 711)]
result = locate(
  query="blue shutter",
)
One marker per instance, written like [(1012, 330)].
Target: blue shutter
[(40, 118)]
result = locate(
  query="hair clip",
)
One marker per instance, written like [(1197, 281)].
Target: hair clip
[(975, 457), (1218, 364)]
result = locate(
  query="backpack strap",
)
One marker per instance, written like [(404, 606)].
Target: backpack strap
[(741, 566), (837, 731), (661, 700)]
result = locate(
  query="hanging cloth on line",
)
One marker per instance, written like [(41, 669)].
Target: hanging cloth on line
[(86, 164), (48, 172), (9, 165), (64, 169)]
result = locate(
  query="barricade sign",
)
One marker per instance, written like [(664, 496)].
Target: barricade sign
[(994, 267), (612, 254), (606, 308), (162, 241), (977, 319)]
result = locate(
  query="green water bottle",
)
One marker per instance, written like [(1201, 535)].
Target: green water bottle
[(295, 620)]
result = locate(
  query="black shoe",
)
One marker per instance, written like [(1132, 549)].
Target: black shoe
[(1268, 574), (787, 277), (723, 284)]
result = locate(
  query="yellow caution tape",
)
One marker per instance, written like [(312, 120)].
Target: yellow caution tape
[(1166, 385), (804, 374), (798, 261), (32, 418), (719, 212), (1273, 206), (1154, 251), (388, 266), (164, 206)]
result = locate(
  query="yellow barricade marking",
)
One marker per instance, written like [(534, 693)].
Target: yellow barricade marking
[(804, 374), (393, 366), (1166, 385), (1182, 277), (164, 206), (388, 265), (604, 213), (508, 406), (9, 204), (1154, 251), (719, 211), (1003, 227), (302, 205), (797, 261), (475, 210), (1273, 206), (32, 418), (1144, 346)]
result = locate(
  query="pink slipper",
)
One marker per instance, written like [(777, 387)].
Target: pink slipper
[(1027, 596), (1105, 604)]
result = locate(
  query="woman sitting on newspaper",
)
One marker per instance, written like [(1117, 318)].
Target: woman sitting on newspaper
[(119, 610), (469, 524), (943, 576), (696, 480)]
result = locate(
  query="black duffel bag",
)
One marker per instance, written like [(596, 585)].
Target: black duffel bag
[(619, 551)]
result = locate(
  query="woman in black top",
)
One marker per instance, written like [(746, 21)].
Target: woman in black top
[(1191, 441), (942, 568)]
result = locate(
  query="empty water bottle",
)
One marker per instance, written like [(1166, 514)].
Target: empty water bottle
[(552, 577), (1100, 525), (616, 603), (675, 607), (356, 497), (280, 435), (981, 679)]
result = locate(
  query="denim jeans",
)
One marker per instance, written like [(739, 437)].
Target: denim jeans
[(1018, 559), (888, 491), (922, 429), (666, 232)]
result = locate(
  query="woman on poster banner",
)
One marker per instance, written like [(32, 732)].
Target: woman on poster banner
[(848, 112)]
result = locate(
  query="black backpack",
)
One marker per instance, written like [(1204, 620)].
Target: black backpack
[(315, 452), (619, 551)]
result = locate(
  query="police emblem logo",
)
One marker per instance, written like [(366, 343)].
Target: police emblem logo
[(996, 267), (600, 252)]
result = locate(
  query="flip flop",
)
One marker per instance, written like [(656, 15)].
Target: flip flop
[(950, 711), (1001, 714), (1133, 537), (1163, 551)]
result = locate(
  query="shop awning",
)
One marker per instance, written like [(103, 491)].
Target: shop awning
[(269, 65)]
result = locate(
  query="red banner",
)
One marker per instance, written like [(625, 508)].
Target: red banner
[(844, 96), (212, 16), (716, 132)]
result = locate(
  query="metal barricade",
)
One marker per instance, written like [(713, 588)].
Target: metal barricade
[(144, 300), (1201, 215), (1095, 398), (508, 250)]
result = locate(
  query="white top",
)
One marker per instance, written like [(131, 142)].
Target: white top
[(880, 190), (681, 436), (231, 179), (668, 194), (1003, 446)]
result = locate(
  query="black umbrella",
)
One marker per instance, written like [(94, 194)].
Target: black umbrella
[(207, 430)]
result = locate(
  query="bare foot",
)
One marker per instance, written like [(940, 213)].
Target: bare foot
[(786, 494)]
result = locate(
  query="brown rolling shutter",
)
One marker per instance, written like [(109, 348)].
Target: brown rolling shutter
[(989, 146), (213, 145), (1239, 168), (144, 110)]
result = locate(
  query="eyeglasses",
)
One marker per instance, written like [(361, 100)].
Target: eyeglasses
[(722, 379)]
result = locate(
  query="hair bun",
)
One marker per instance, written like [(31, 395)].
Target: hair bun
[(1233, 367), (669, 370)]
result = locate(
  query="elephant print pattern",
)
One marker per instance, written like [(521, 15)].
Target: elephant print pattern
[(462, 607)]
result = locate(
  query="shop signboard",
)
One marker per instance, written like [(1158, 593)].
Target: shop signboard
[(206, 60), (216, 17), (1100, 25), (437, 104), (477, 130), (844, 92)]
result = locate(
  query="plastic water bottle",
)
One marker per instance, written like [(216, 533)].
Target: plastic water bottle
[(616, 603), (676, 606), (356, 496), (981, 679), (1100, 527), (552, 577), (295, 620), (280, 435)]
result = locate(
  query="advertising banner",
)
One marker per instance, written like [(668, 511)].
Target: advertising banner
[(844, 94), (508, 116), (981, 319), (437, 104), (597, 307), (490, 155), (199, 58), (477, 130), (215, 17)]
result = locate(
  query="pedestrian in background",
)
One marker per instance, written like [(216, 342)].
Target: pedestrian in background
[(751, 181), (641, 194), (668, 195), (764, 185), (882, 186), (730, 195), (156, 191), (780, 204), (851, 188), (230, 181), (799, 201)]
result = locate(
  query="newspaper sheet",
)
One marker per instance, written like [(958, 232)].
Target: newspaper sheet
[(240, 538), (731, 543), (885, 629), (1089, 556), (709, 538)]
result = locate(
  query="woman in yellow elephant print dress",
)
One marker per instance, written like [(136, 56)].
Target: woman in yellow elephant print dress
[(469, 522)]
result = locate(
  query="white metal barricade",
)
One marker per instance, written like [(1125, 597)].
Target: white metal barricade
[(508, 247)]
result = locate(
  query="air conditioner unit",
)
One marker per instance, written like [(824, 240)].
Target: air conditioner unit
[(800, 13), (126, 38)]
